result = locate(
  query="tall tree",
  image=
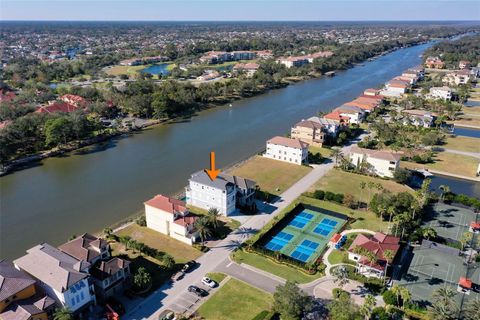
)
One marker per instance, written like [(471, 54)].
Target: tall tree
[(444, 306), (367, 307), (203, 228), (290, 302), (213, 214), (388, 255), (142, 279)]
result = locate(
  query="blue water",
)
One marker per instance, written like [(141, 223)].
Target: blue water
[(467, 132), (155, 69)]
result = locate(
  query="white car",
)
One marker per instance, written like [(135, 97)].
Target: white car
[(209, 282)]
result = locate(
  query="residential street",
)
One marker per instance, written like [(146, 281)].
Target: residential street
[(171, 295)]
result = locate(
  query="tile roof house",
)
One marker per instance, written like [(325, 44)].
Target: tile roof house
[(330, 127), (61, 276), (309, 131), (19, 299), (365, 103), (108, 274), (75, 100), (420, 118), (377, 245), (434, 62), (381, 163), (355, 113), (338, 118), (286, 149), (57, 107), (248, 68), (171, 217), (225, 193)]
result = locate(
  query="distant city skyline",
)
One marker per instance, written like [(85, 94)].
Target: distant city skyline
[(236, 10)]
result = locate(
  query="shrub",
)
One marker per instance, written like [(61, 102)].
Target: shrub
[(401, 175), (379, 313), (389, 298), (338, 197), (337, 292), (142, 221), (349, 201), (329, 196), (319, 194), (264, 315)]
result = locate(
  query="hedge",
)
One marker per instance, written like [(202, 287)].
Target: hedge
[(329, 196), (264, 315)]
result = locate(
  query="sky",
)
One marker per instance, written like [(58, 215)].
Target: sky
[(223, 10)]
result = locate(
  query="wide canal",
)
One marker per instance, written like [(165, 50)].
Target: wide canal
[(100, 185)]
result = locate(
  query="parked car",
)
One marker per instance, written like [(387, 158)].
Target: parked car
[(179, 275), (209, 282), (198, 291), (189, 265), (167, 315)]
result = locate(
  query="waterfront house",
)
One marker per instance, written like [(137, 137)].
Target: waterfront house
[(309, 131), (382, 163), (108, 274), (335, 116), (225, 193), (420, 118), (366, 103), (293, 61), (407, 78), (434, 63), (19, 298), (330, 127), (354, 113), (371, 92), (248, 68), (457, 78), (286, 149), (395, 88), (377, 245), (61, 276), (443, 93), (213, 57), (171, 217)]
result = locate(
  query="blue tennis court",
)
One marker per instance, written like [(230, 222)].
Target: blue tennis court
[(305, 250), (301, 220), (304, 236), (279, 241), (325, 227)]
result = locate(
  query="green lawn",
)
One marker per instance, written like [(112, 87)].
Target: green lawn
[(463, 144), (325, 152), (271, 175), (235, 300), (339, 181), (337, 256), (268, 265), (450, 163), (180, 251), (217, 276)]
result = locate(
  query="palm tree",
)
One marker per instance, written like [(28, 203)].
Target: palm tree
[(472, 309), (203, 228), (444, 306), (368, 305), (401, 293), (391, 211), (370, 186), (466, 238), (428, 233), (62, 314), (445, 189), (388, 255), (213, 215), (336, 154), (168, 261)]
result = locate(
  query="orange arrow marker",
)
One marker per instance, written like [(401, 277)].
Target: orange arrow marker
[(212, 173)]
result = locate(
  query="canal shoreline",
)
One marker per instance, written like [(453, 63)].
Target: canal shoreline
[(28, 161)]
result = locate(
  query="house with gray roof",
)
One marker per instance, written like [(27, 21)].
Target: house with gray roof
[(224, 193), (60, 275), (108, 274), (19, 297)]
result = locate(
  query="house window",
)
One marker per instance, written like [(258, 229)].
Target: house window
[(392, 162), (78, 299), (72, 301), (82, 296)]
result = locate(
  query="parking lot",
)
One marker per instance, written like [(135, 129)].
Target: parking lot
[(188, 302)]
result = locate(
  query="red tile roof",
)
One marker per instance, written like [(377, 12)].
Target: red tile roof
[(58, 107), (336, 237), (167, 204), (6, 95), (186, 220), (475, 225), (335, 115), (376, 244)]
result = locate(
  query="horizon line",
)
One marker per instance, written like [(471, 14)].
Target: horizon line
[(241, 20)]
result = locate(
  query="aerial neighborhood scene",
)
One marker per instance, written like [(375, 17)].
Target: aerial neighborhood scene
[(240, 160)]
